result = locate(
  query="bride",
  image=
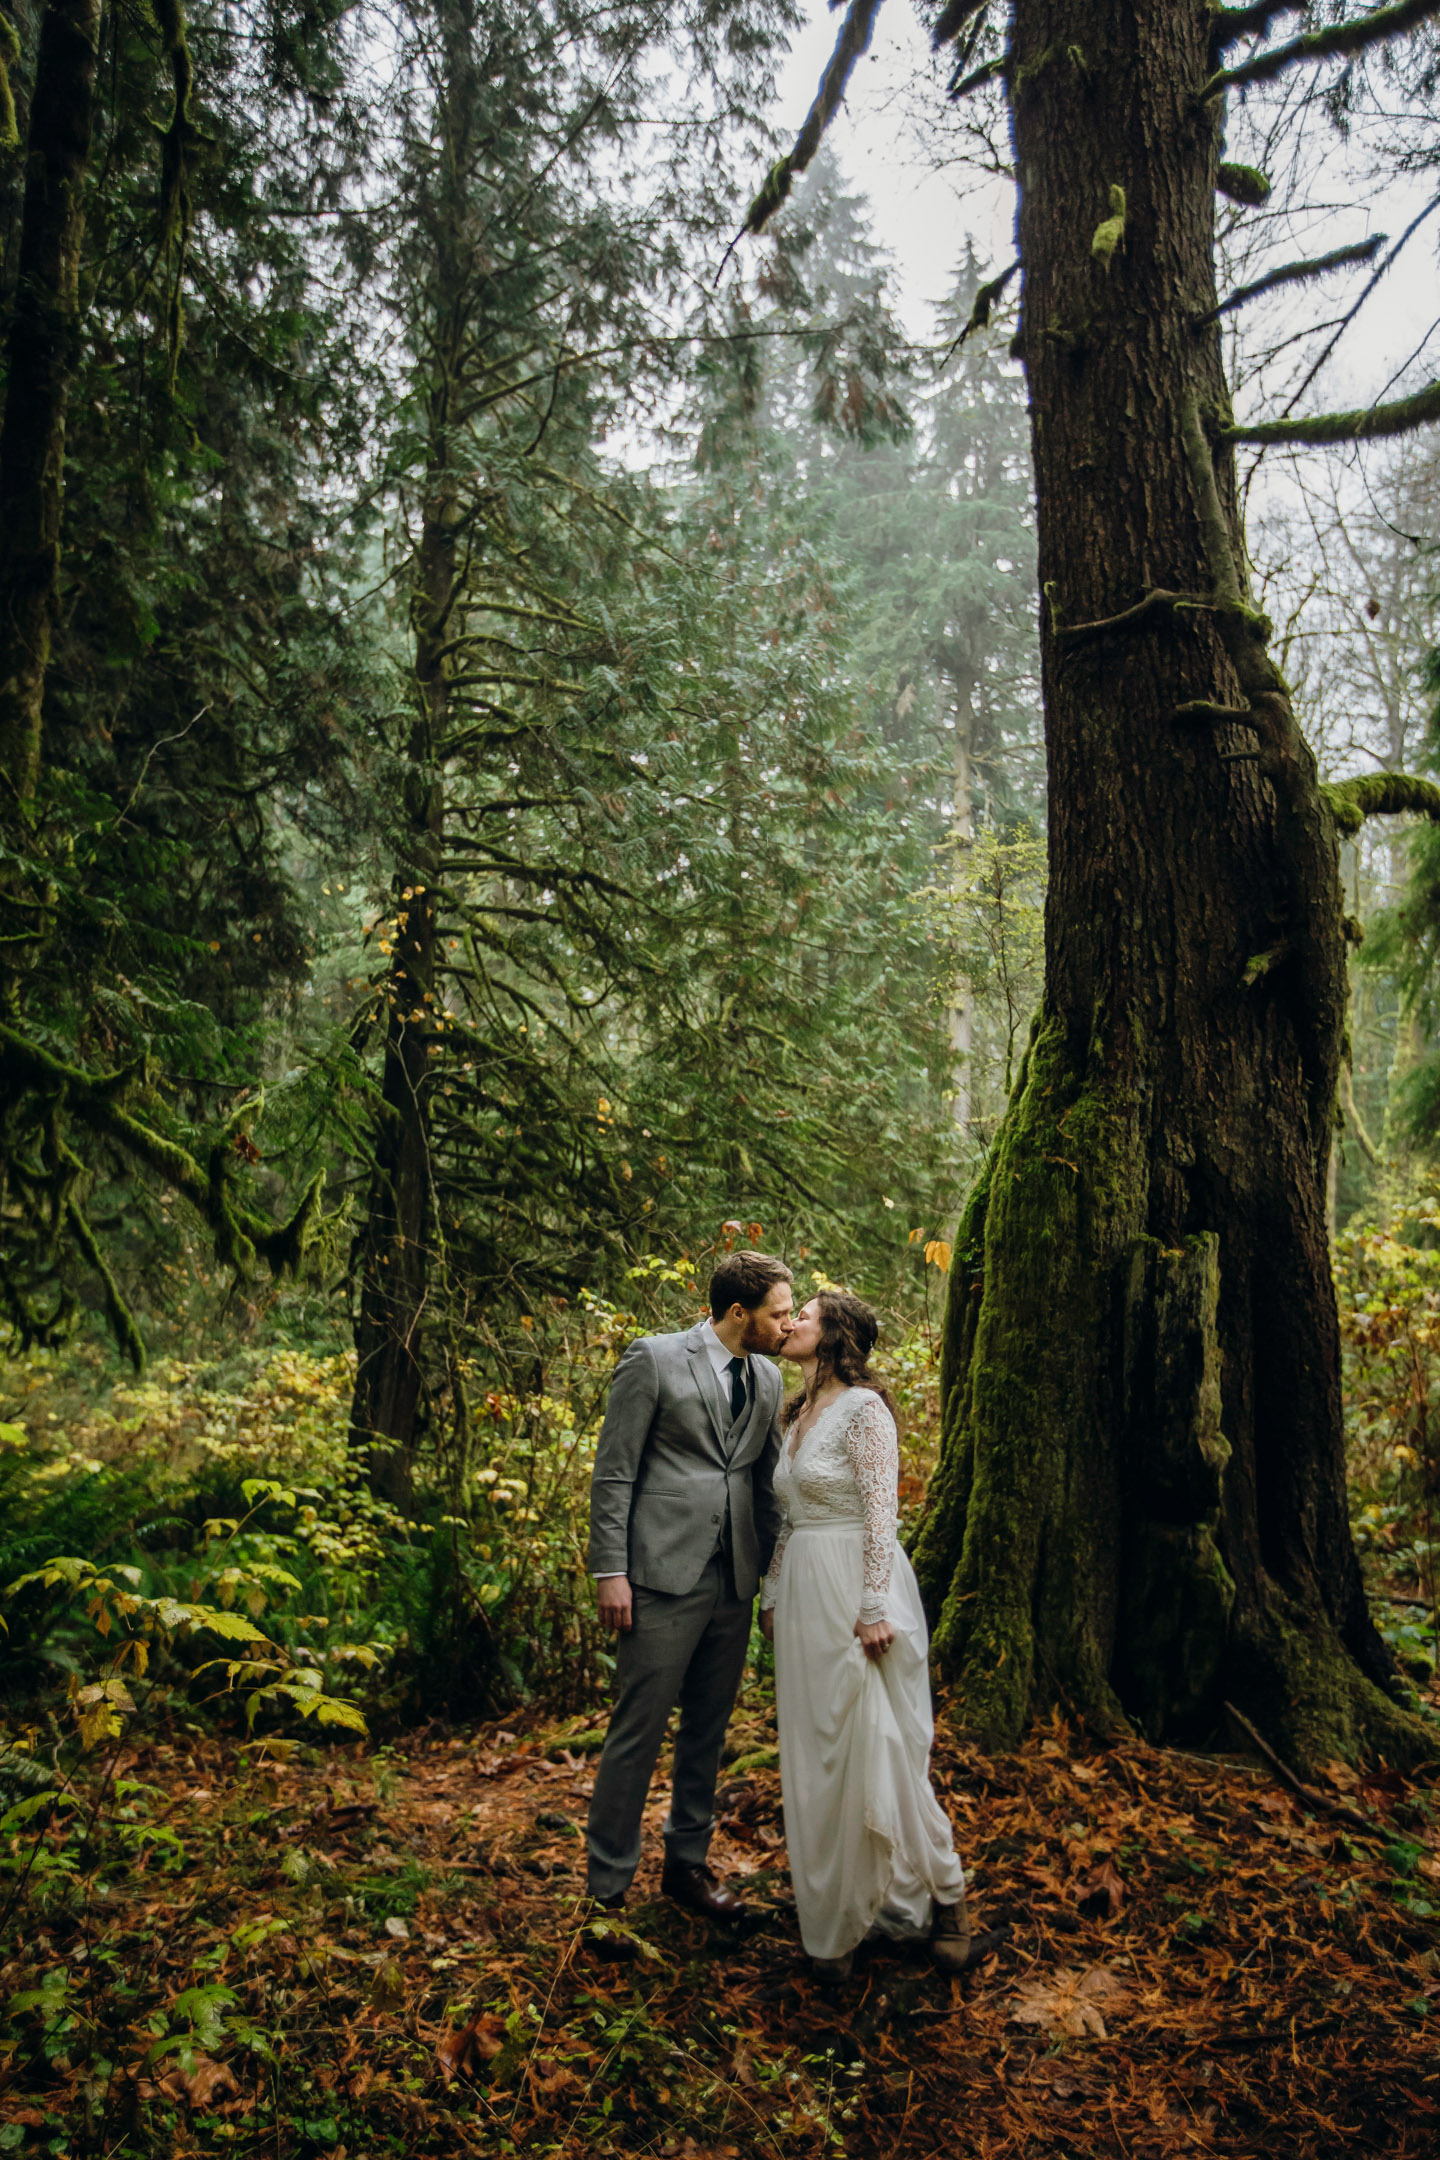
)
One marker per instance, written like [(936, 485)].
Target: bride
[(869, 1846)]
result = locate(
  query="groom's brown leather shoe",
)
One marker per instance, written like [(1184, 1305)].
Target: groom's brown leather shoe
[(700, 1889)]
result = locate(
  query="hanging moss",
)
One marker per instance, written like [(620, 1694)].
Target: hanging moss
[(1109, 235), (9, 58), (117, 1312), (1244, 184)]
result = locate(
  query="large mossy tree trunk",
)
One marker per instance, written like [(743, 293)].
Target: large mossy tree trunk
[(1140, 1511)]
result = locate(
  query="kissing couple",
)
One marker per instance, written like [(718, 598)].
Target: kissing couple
[(702, 1487)]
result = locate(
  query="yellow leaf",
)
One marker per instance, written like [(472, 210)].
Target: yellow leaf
[(937, 1254)]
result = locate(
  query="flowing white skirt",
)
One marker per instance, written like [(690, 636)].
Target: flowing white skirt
[(869, 1844)]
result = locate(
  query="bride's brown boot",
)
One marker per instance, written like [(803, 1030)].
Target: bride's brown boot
[(830, 1970), (950, 1937)]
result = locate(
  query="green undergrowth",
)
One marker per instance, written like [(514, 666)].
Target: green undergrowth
[(232, 1481), (1387, 1275)]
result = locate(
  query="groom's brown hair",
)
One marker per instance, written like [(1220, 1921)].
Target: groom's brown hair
[(745, 1278)]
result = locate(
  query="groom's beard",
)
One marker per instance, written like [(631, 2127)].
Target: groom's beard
[(756, 1337)]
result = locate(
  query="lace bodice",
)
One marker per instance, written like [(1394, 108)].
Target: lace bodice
[(846, 1469)]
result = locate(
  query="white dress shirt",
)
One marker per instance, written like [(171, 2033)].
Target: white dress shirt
[(720, 1359)]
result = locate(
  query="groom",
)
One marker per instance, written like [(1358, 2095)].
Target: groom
[(682, 1522)]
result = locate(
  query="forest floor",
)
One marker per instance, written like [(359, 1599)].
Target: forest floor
[(382, 1952)]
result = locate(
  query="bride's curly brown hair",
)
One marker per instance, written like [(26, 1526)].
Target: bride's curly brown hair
[(849, 1330)]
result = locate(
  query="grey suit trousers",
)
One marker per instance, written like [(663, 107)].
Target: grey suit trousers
[(691, 1649)]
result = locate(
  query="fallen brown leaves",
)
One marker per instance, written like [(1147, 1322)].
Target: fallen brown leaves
[(1195, 1961)]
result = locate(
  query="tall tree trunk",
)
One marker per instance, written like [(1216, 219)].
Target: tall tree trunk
[(1140, 1508), (402, 1233), (44, 327), (400, 1225)]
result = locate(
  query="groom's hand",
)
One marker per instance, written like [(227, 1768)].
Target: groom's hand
[(612, 1593)]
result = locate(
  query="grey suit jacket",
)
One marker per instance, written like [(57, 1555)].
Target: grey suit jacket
[(668, 1463)]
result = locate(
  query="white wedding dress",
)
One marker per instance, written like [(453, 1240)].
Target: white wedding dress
[(869, 1845)]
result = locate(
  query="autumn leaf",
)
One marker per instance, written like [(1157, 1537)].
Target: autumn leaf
[(203, 2086), (462, 2051), (1102, 1891), (1073, 2003)]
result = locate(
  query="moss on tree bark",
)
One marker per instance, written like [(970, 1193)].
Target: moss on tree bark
[(1140, 1510)]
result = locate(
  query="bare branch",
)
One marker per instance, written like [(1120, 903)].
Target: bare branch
[(1367, 425), (854, 38), (1382, 794), (1290, 274), (1353, 36)]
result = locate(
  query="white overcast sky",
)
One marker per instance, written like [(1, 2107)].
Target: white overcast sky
[(921, 219)]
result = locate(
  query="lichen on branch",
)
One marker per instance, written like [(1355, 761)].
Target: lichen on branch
[(1382, 794), (854, 39), (1344, 38), (1290, 274), (1369, 424)]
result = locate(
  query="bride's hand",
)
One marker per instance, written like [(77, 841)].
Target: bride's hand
[(767, 1624), (875, 1636)]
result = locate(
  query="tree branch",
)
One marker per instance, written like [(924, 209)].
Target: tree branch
[(1367, 425), (1232, 24), (1212, 714), (1352, 1112), (854, 38), (1381, 794), (1129, 618), (976, 80), (985, 299), (1353, 36), (953, 18), (1291, 274)]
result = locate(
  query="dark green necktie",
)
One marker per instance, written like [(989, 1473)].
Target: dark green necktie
[(737, 1386)]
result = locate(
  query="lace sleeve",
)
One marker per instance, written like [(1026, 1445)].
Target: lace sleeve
[(767, 1589), (873, 1446)]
